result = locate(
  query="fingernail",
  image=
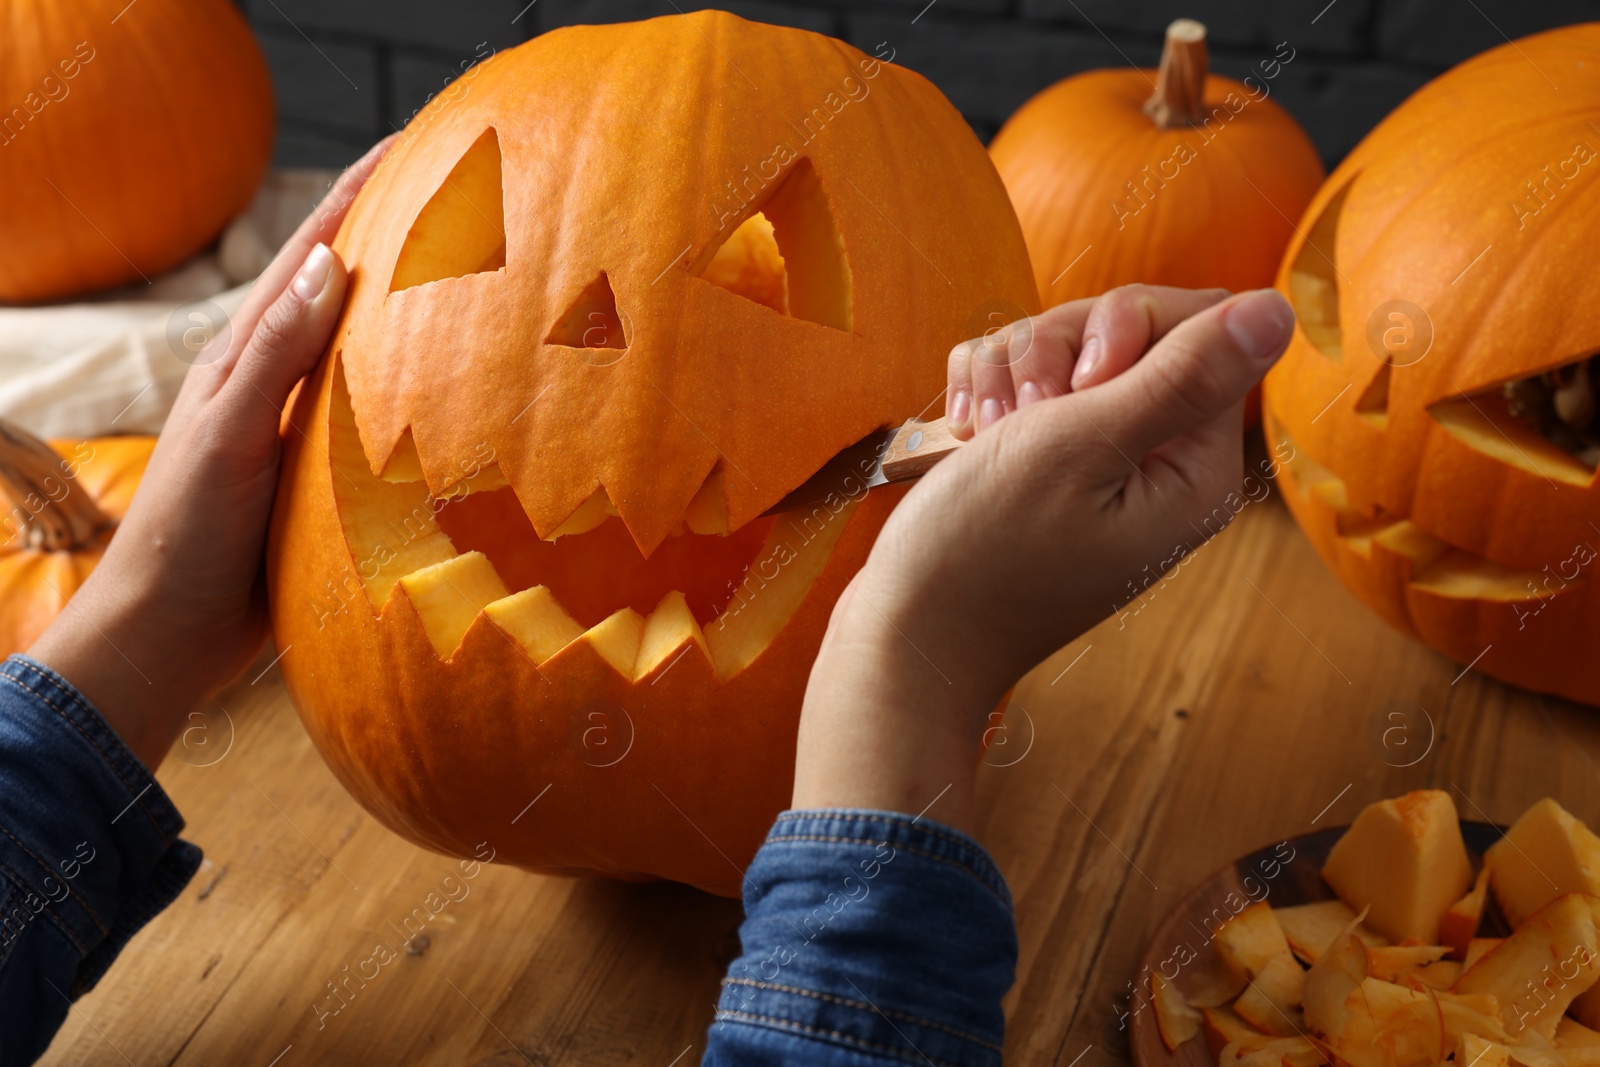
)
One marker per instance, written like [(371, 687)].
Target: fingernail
[(960, 407), (990, 412), (314, 273), (1029, 393), (1088, 362), (1259, 323)]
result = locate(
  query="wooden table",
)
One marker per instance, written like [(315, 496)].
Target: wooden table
[(1249, 699)]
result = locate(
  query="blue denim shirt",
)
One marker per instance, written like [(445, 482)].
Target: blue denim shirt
[(89, 851), (869, 937)]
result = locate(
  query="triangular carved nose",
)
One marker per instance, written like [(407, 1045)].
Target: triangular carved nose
[(592, 320)]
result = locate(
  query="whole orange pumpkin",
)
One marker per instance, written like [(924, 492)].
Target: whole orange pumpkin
[(130, 133), (1169, 177), (1437, 402), (62, 502), (613, 296)]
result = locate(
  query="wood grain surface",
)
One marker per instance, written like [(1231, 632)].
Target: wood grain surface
[(1245, 700)]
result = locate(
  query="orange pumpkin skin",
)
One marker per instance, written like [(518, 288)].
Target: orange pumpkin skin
[(1107, 198), (133, 134), (36, 584), (1458, 523), (675, 770)]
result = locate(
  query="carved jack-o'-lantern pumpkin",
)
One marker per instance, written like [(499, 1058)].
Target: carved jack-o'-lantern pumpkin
[(1438, 397), (611, 300)]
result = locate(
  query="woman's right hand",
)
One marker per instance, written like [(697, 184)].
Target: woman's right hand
[(1030, 534)]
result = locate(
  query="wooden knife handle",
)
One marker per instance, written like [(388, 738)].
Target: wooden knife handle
[(916, 448)]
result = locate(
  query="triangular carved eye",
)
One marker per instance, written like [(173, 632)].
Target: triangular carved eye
[(1314, 280), (787, 254), (1547, 423), (461, 230), (592, 320)]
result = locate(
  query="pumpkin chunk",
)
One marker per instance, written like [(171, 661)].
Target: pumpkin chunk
[(1390, 962), (1475, 1051), (1546, 853), (1460, 924), (1176, 1021), (1571, 1034), (1223, 1027), (1311, 928), (1478, 946), (1404, 860), (448, 596), (1250, 941), (1542, 967), (1441, 975), (1272, 1000)]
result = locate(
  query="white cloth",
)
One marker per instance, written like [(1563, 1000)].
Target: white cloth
[(113, 362)]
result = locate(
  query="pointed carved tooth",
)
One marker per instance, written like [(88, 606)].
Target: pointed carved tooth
[(795, 553), (404, 467), (708, 511), (484, 479), (665, 631), (536, 621), (591, 513), (1407, 539), (448, 596), (404, 464), (390, 527), (617, 640), (1484, 424), (1464, 575)]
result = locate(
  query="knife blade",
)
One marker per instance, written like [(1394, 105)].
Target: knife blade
[(894, 454)]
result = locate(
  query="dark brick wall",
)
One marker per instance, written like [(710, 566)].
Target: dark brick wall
[(349, 71)]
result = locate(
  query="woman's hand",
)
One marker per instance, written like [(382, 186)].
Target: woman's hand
[(177, 607), (1126, 435)]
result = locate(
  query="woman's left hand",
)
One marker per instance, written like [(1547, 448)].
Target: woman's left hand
[(177, 606)]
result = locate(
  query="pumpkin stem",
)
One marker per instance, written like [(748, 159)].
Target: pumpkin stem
[(57, 515), (1179, 99)]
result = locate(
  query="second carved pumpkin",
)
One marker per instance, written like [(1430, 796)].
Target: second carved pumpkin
[(1438, 399)]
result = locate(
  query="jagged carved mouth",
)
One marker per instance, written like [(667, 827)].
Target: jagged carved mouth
[(470, 550), (1436, 566)]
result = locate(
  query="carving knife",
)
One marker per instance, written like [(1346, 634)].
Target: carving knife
[(896, 454)]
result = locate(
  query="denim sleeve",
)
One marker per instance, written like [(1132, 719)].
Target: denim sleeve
[(869, 937), (89, 852)]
